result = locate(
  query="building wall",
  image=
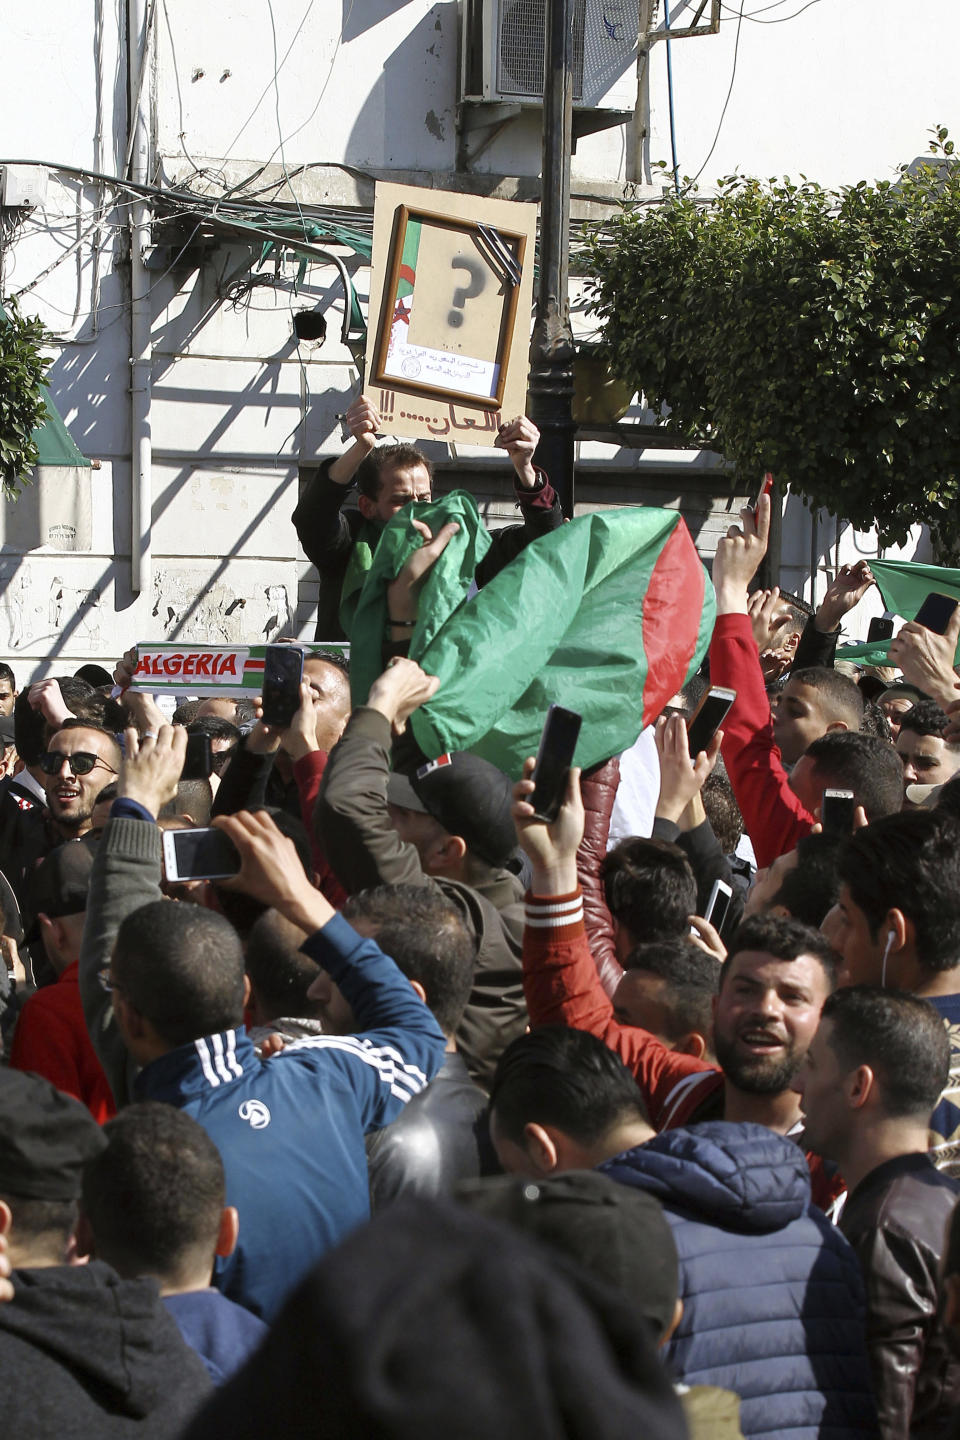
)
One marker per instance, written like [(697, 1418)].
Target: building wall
[(315, 101)]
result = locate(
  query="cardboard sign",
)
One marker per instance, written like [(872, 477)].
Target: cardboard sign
[(451, 294), (165, 668)]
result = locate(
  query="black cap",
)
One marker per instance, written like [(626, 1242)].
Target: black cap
[(59, 884), (468, 796), (46, 1138), (617, 1232), (7, 735)]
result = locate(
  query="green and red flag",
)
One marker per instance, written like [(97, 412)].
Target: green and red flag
[(609, 615), (904, 585)]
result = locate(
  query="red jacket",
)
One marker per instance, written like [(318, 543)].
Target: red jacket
[(773, 817), (562, 987), (308, 773), (51, 1039)]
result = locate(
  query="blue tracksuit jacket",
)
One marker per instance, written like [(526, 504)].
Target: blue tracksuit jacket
[(290, 1129)]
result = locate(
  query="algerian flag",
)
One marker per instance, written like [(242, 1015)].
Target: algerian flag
[(609, 615), (904, 585)]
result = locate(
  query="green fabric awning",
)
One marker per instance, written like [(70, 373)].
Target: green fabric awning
[(53, 439)]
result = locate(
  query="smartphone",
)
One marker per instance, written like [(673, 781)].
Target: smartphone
[(718, 906), (836, 812), (282, 674), (936, 612), (881, 628), (708, 717), (765, 489), (558, 741), (198, 764), (199, 855)]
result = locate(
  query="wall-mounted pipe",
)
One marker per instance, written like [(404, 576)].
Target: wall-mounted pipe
[(139, 26)]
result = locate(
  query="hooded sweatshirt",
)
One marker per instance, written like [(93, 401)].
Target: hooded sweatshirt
[(85, 1355), (773, 1304)]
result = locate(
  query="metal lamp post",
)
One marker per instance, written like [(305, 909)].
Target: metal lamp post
[(552, 348)]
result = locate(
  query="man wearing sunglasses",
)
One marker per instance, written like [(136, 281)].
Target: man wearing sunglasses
[(78, 762)]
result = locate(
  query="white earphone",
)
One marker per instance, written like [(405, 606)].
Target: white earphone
[(891, 936)]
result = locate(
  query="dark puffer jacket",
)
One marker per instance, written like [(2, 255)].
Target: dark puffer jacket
[(773, 1304)]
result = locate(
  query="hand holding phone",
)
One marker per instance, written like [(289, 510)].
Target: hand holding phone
[(708, 717), (199, 855), (558, 741), (880, 628), (936, 612), (718, 906), (282, 674), (198, 764), (837, 811)]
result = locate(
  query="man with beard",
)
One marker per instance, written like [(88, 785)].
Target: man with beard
[(79, 762), (772, 988)]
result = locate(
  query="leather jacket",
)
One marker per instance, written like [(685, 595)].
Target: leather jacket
[(438, 1140), (895, 1220)]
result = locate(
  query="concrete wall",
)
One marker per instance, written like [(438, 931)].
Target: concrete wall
[(350, 89)]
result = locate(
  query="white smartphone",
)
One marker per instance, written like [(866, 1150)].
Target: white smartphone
[(199, 855), (718, 906)]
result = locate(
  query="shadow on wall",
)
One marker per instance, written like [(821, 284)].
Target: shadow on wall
[(361, 15), (407, 119)]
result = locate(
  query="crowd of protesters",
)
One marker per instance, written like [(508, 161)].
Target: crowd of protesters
[(443, 1118)]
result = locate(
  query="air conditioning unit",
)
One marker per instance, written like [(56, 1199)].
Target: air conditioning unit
[(503, 52)]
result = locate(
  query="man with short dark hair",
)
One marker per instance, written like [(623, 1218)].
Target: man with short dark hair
[(26, 831), (175, 974), (869, 1081), (82, 1351), (51, 1036), (438, 1139), (668, 988), (927, 758), (562, 1100), (341, 543), (153, 1203), (78, 762), (8, 690), (897, 923), (650, 890), (895, 702), (771, 990), (816, 701), (847, 760)]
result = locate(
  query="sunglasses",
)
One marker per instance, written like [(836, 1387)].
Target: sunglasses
[(81, 762)]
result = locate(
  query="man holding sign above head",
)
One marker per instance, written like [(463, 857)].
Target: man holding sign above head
[(341, 542)]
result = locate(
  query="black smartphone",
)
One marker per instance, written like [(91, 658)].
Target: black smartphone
[(936, 612), (282, 674), (836, 812), (718, 906), (198, 764), (708, 717), (199, 855), (880, 628), (558, 741)]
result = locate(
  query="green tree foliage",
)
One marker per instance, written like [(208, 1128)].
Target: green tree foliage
[(811, 332), (22, 405)]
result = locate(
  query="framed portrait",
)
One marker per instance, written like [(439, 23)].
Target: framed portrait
[(449, 310)]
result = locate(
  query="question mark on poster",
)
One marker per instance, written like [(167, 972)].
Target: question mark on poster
[(463, 293)]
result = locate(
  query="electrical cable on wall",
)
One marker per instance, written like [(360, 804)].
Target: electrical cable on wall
[(723, 113), (777, 20), (673, 125)]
